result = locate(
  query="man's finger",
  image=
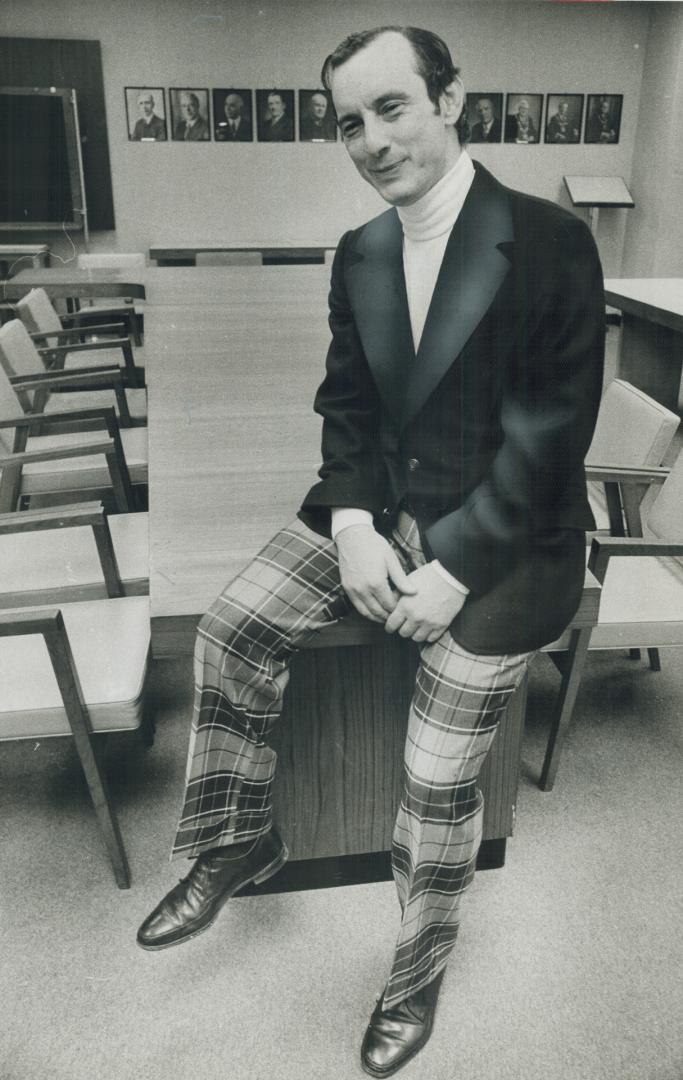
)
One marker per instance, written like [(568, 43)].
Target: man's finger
[(398, 575)]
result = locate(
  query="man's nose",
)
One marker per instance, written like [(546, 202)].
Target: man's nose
[(376, 135)]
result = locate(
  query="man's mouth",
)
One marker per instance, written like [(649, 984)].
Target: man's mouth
[(384, 170)]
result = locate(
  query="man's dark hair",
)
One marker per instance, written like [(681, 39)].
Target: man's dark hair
[(433, 62)]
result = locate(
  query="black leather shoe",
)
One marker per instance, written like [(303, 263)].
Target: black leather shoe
[(395, 1035), (217, 875)]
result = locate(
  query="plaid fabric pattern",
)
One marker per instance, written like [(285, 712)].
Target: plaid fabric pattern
[(244, 644)]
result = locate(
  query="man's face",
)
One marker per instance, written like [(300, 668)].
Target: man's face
[(396, 139), (146, 104), (319, 106), (523, 109), (485, 110), (189, 107), (563, 109), (233, 106), (604, 109), (276, 106)]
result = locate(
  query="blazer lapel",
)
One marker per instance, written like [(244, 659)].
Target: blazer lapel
[(377, 293), (475, 263)]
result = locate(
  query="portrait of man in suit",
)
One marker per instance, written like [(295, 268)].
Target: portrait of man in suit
[(316, 119), (604, 119), (459, 397), (523, 119), (150, 124), (483, 113), (190, 111), (232, 116), (564, 115), (275, 115)]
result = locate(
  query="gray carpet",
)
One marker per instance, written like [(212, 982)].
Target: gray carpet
[(568, 965)]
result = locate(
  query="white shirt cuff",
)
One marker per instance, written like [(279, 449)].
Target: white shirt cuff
[(443, 572), (343, 516)]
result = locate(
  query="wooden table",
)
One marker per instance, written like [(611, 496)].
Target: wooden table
[(282, 251), (64, 282), (651, 351)]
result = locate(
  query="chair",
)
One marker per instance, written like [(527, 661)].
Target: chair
[(42, 321), (112, 461), (642, 585), (632, 430), (79, 670), (20, 357), (228, 258), (72, 553)]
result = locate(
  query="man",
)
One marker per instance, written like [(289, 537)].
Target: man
[(519, 126), (461, 392), (315, 124), (487, 128), (237, 124), (277, 126), (560, 126), (149, 126), (600, 127), (193, 127)]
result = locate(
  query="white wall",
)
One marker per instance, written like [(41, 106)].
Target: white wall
[(177, 191)]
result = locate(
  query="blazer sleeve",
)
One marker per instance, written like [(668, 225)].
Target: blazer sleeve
[(352, 471), (548, 410)]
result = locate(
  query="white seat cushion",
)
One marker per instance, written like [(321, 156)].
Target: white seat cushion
[(110, 644), (95, 358), (67, 558), (94, 399), (641, 604), (80, 473)]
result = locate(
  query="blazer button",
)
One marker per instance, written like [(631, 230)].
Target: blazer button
[(413, 464), (386, 512)]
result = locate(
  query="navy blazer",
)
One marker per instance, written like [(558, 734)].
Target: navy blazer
[(483, 433)]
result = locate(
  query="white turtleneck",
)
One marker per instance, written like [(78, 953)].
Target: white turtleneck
[(427, 224)]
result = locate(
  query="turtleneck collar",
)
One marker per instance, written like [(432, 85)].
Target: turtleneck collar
[(436, 212)]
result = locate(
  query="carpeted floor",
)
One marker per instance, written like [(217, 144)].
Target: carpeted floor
[(568, 965)]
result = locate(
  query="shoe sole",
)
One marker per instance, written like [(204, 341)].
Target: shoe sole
[(381, 1073), (262, 875)]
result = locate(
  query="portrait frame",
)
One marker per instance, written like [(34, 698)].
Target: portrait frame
[(552, 135), (475, 121), (221, 122), (592, 135), (275, 130), (308, 131), (178, 122), (526, 132), (134, 119)]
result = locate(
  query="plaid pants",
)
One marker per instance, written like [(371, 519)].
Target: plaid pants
[(244, 645)]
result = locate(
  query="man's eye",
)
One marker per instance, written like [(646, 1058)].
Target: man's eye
[(391, 108), (349, 130)]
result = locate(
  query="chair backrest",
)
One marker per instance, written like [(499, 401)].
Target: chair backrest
[(37, 313), (229, 258), (664, 520), (9, 408), (632, 429), (18, 353), (107, 260)]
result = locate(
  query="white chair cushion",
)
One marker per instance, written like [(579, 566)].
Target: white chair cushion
[(85, 472), (110, 643), (94, 399), (37, 313), (95, 358), (641, 604), (67, 558)]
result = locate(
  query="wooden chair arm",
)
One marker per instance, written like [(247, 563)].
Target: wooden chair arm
[(27, 457), (123, 343), (603, 548), (49, 379), (36, 621), (106, 414), (78, 331)]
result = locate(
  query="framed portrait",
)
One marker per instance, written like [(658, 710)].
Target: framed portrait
[(233, 115), (317, 121), (275, 115), (603, 119), (484, 114), (189, 114), (523, 113), (146, 113), (563, 116)]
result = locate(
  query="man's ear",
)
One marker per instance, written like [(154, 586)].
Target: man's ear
[(452, 100)]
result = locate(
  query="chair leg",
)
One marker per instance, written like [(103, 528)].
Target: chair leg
[(147, 727), (571, 679), (653, 657)]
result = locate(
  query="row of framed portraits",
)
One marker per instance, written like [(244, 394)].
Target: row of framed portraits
[(232, 118), (524, 120), (230, 115)]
